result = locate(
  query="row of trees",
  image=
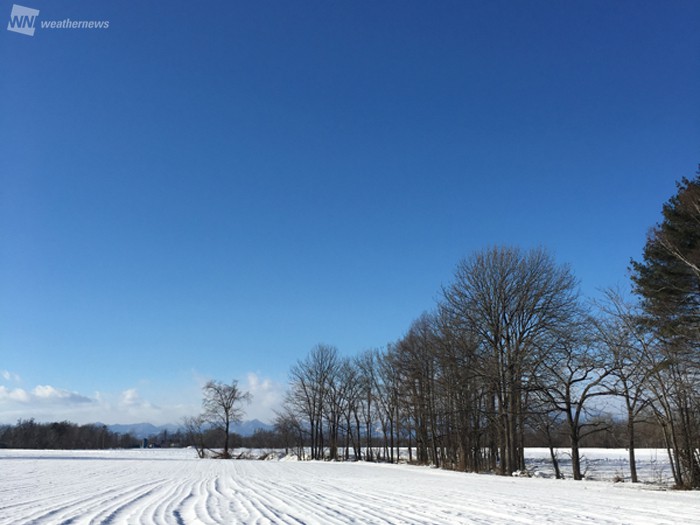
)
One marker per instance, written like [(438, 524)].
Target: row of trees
[(62, 435), (512, 350), (510, 354), (506, 348)]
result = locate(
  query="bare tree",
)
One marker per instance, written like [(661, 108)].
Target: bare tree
[(414, 357), (629, 345), (308, 395), (334, 403), (194, 432), (511, 302), (573, 374), (222, 407), (351, 398), (387, 387), (461, 385), (367, 364), (546, 420), (675, 383), (290, 430)]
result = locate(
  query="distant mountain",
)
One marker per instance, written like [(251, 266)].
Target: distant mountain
[(248, 428), (144, 430)]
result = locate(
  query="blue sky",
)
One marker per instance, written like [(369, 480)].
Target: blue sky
[(209, 189)]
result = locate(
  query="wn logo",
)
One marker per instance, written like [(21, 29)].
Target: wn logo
[(23, 20)]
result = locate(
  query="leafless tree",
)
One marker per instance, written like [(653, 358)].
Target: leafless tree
[(545, 420), (415, 361), (310, 382), (675, 383), (629, 346), (291, 430), (367, 381), (349, 404), (511, 302), (387, 387), (463, 381), (571, 377), (222, 407), (194, 433)]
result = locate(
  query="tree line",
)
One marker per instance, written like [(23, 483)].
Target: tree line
[(62, 435), (512, 351), (510, 356)]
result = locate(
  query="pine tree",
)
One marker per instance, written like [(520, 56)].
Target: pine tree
[(668, 279), (668, 282)]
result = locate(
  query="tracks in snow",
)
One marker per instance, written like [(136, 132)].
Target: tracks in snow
[(178, 490)]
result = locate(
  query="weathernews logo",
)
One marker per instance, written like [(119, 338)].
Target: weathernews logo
[(24, 20)]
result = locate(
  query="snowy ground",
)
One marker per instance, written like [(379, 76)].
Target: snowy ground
[(605, 464), (173, 487)]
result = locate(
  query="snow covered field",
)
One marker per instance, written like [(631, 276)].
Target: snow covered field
[(173, 487), (605, 464)]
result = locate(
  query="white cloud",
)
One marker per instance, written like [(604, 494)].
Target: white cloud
[(130, 398), (129, 407), (9, 376), (43, 403), (50, 403), (41, 395), (267, 397), (18, 395), (51, 394)]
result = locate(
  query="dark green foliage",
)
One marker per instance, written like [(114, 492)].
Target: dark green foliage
[(668, 282), (668, 278)]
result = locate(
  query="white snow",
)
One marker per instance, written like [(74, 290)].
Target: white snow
[(174, 487), (606, 464)]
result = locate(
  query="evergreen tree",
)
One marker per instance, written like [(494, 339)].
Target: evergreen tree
[(668, 282), (668, 278)]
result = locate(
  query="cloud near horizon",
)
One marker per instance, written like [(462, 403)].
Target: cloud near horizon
[(48, 403), (267, 397), (41, 394)]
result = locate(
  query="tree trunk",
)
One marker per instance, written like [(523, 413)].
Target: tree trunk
[(631, 446), (555, 462), (576, 459), (226, 438)]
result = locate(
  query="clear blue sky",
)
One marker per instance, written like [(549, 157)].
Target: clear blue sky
[(209, 189)]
